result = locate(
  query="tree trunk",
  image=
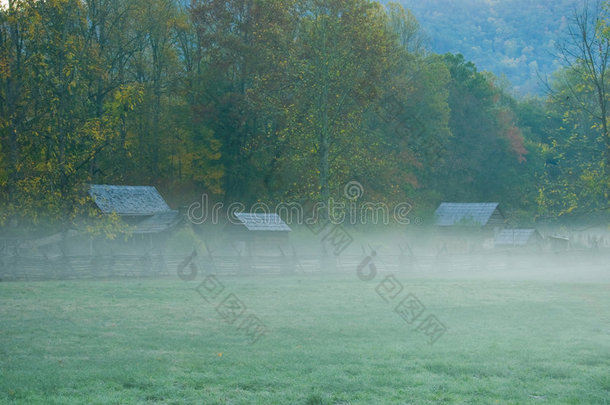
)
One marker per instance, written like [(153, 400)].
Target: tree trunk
[(324, 146)]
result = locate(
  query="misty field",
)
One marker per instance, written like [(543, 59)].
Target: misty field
[(329, 339)]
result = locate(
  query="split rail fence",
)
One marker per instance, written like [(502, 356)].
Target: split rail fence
[(33, 268)]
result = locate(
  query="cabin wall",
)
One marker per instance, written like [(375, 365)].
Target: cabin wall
[(496, 220), (260, 243)]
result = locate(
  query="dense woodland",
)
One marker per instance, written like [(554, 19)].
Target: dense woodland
[(281, 100)]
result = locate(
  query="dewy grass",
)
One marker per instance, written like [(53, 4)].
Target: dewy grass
[(330, 339)]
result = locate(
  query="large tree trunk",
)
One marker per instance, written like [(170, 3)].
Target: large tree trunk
[(324, 145)]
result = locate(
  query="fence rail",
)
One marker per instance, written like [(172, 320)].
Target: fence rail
[(32, 268)]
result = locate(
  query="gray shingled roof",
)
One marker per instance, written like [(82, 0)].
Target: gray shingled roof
[(128, 200), (448, 214), (514, 237), (262, 222)]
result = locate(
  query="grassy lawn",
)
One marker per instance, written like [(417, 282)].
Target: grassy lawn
[(330, 339)]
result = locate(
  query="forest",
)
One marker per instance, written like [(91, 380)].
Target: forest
[(284, 100), (517, 39)]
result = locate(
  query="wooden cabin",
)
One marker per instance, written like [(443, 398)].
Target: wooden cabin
[(142, 208), (261, 234), (467, 227)]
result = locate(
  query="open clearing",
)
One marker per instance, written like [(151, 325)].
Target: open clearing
[(331, 339)]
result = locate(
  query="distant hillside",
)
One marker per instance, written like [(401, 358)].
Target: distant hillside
[(515, 38)]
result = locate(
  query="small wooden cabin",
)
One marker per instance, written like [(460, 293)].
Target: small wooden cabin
[(467, 227), (261, 234), (142, 208)]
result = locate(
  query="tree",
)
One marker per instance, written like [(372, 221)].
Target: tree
[(487, 152), (194, 150), (412, 113), (338, 60), (228, 42), (409, 34), (61, 132), (110, 36), (586, 53), (575, 177), (13, 26)]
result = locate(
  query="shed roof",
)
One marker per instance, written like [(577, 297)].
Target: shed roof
[(448, 214), (514, 237), (128, 200), (262, 222)]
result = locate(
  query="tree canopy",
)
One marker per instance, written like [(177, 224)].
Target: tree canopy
[(271, 100)]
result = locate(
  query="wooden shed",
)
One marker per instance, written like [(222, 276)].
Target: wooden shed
[(467, 227), (261, 234), (140, 207)]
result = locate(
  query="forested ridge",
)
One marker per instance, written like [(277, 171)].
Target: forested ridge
[(283, 100), (515, 38)]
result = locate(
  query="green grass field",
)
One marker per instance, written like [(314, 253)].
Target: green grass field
[(330, 339)]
